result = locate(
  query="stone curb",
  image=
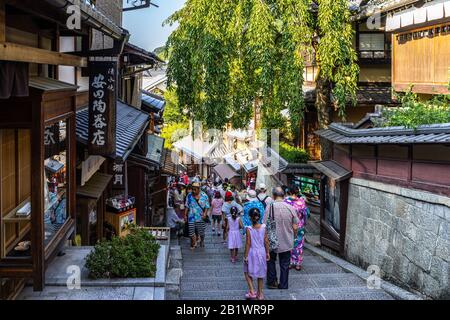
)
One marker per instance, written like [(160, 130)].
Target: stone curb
[(397, 292)]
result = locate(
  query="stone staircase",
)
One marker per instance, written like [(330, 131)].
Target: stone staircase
[(208, 274)]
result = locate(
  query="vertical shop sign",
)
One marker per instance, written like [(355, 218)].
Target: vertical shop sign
[(102, 107), (118, 170)]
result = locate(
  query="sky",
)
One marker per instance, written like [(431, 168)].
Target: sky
[(145, 25)]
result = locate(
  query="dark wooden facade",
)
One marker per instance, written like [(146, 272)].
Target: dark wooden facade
[(29, 116), (31, 33), (418, 166)]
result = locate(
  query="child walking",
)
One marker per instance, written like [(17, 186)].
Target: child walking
[(256, 255), (216, 212), (233, 227)]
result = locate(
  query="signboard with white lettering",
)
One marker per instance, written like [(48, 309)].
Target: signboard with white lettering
[(102, 107), (118, 169)]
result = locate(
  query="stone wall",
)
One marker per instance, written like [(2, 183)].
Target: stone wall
[(403, 231)]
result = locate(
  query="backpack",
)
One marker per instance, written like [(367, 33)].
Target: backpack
[(263, 201)]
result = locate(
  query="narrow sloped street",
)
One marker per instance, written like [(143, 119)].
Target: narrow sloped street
[(208, 274)]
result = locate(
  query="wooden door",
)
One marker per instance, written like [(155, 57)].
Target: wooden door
[(333, 213)]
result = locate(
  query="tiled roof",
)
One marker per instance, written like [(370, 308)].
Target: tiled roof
[(130, 125), (152, 101), (435, 133), (197, 148), (332, 170), (300, 168), (220, 151), (269, 155), (225, 171), (146, 55), (370, 7)]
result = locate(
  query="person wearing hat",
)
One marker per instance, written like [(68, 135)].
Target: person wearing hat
[(226, 208), (252, 202), (197, 205), (263, 197)]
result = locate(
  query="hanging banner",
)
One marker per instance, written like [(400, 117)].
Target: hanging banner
[(102, 107)]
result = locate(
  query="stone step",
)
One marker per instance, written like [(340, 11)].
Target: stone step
[(322, 280), (348, 293), (208, 274), (329, 268), (200, 259)]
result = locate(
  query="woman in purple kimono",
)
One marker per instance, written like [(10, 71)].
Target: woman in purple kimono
[(303, 214)]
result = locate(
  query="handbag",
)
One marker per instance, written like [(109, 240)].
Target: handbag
[(272, 230)]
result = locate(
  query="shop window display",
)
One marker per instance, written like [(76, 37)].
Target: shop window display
[(55, 188)]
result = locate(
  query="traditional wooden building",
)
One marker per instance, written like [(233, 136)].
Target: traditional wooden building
[(131, 126), (385, 199), (39, 48), (373, 47), (64, 135), (420, 46)]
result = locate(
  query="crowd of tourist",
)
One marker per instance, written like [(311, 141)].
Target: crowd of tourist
[(272, 223)]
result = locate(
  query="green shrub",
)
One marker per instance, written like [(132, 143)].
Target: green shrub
[(414, 112), (292, 154), (133, 256)]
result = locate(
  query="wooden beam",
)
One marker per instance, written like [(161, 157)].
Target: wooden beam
[(16, 52), (37, 197), (2, 21), (427, 88)]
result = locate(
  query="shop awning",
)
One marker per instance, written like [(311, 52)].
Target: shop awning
[(131, 125), (224, 171), (95, 186), (332, 170)]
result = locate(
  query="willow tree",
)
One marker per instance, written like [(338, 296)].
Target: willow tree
[(227, 55), (336, 61)]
